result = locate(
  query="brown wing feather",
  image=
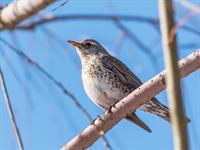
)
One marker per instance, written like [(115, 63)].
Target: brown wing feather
[(122, 70), (128, 77)]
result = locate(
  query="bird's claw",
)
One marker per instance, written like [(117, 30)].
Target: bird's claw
[(98, 117), (92, 122), (109, 110)]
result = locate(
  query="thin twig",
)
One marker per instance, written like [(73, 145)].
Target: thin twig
[(181, 22), (65, 2), (51, 78), (30, 61), (190, 5), (191, 29), (10, 111), (119, 43), (59, 41), (134, 39), (51, 18), (42, 70), (22, 55)]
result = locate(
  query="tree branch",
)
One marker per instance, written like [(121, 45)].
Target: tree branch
[(19, 10), (173, 84), (127, 105), (10, 111), (145, 49), (190, 5), (51, 18)]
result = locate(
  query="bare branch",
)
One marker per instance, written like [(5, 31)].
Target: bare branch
[(62, 4), (139, 43), (10, 111), (128, 104), (181, 22), (191, 29), (190, 5), (55, 37), (51, 18), (19, 10), (22, 55), (173, 85)]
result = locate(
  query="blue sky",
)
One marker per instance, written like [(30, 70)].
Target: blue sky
[(47, 118)]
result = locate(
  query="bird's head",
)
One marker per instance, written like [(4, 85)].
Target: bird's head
[(88, 48)]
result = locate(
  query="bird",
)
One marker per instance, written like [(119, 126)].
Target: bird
[(107, 80)]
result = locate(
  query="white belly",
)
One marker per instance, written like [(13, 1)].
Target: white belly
[(100, 92)]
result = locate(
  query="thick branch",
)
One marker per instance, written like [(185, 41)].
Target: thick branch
[(127, 105), (19, 10)]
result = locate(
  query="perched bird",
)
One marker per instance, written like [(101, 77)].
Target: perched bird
[(107, 80)]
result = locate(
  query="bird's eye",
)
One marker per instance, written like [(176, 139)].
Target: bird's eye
[(88, 44)]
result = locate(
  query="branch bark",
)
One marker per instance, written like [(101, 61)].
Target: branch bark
[(173, 85), (19, 10), (127, 105)]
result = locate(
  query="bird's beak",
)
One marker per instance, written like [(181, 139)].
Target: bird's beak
[(76, 44)]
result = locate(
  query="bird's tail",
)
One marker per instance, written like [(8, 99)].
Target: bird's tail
[(135, 119), (155, 107)]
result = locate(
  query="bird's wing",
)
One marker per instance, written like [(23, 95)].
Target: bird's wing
[(124, 73), (129, 78)]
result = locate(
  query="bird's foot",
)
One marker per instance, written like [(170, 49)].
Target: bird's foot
[(98, 117), (92, 122), (109, 110)]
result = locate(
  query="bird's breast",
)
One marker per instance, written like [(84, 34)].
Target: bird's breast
[(101, 85)]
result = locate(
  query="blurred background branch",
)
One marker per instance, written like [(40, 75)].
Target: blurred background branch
[(20, 10), (190, 5), (10, 111), (172, 76), (51, 18)]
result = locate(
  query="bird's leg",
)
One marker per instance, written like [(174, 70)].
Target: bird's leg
[(114, 105), (109, 110), (98, 117), (92, 122)]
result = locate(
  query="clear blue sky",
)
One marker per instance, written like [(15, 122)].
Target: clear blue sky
[(47, 118)]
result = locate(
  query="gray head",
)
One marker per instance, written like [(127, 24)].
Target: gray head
[(88, 48)]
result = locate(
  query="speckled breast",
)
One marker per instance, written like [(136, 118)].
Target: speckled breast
[(102, 86)]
